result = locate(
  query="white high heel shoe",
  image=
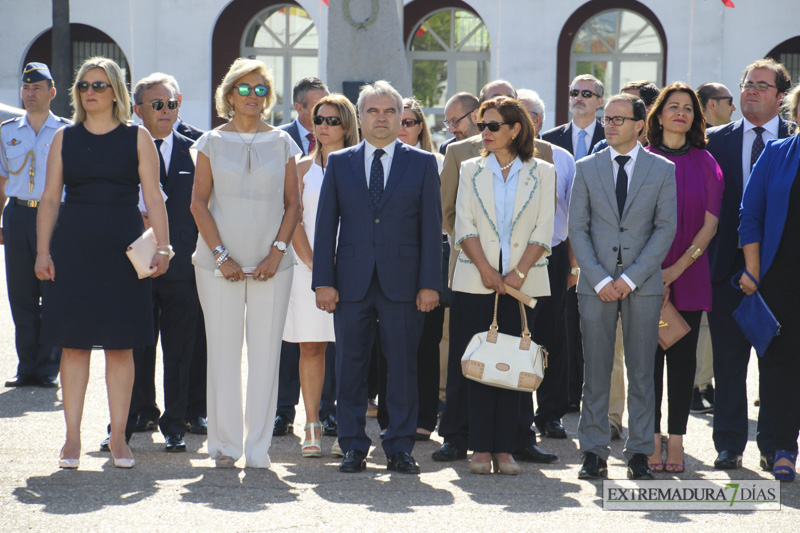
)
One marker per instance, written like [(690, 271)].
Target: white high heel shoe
[(121, 462), (68, 463)]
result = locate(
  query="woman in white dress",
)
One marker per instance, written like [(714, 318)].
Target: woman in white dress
[(335, 127), (246, 203)]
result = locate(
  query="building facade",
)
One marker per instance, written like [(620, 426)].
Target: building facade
[(448, 45)]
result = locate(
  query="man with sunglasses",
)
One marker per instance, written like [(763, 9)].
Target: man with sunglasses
[(305, 95), (736, 147), (460, 113), (24, 144), (584, 131), (717, 104), (622, 220), (454, 422)]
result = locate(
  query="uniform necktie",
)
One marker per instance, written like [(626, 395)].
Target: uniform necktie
[(622, 183), (580, 150), (161, 166), (758, 146), (312, 142), (376, 178)]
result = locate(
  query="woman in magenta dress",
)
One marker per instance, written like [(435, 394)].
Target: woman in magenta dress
[(676, 131)]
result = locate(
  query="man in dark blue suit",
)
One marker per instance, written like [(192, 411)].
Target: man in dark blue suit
[(736, 146), (383, 199)]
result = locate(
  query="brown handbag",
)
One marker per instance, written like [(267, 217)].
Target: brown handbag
[(671, 326)]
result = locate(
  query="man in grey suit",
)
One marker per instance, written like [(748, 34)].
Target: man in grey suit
[(622, 220)]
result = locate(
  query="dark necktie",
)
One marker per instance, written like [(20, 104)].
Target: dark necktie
[(161, 166), (758, 146), (312, 142), (376, 178), (622, 182)]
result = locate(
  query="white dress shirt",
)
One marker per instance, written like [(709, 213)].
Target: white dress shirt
[(166, 150), (386, 160), (749, 136), (629, 166), (505, 194), (589, 136), (565, 174)]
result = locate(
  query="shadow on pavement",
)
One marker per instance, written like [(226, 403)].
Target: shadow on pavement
[(17, 402)]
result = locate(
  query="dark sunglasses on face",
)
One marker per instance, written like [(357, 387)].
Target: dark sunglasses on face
[(158, 105), (409, 122), (98, 86), (586, 93), (244, 90), (617, 121), (331, 121), (492, 126), (721, 98)]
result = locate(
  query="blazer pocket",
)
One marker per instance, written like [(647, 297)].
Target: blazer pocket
[(407, 250)]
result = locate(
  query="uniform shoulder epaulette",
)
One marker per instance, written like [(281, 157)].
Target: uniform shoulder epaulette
[(9, 121)]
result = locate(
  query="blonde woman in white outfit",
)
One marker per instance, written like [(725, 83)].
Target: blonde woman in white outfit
[(246, 203), (335, 127)]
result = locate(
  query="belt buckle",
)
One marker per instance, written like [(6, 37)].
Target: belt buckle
[(32, 203)]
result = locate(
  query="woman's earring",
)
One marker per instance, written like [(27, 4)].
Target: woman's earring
[(231, 113)]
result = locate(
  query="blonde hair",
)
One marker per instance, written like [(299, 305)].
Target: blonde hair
[(239, 69), (346, 112), (122, 106), (424, 133), (790, 104)]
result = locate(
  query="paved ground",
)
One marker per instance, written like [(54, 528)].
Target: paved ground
[(184, 492)]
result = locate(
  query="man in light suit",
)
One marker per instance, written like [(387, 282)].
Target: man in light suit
[(622, 220), (453, 425), (383, 198), (736, 147)]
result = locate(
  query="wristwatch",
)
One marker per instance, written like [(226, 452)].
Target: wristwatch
[(574, 271), (281, 246)]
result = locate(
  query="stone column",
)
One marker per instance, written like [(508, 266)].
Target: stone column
[(365, 44)]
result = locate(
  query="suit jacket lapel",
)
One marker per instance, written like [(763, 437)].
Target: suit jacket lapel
[(640, 171), (174, 165), (566, 139), (605, 170), (735, 140), (358, 174), (599, 134), (396, 170)]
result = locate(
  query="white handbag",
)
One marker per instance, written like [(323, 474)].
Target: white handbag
[(505, 361), (141, 252)]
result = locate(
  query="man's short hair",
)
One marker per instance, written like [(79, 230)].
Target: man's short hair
[(301, 88), (468, 102), (379, 88), (648, 91), (782, 79), (639, 109), (599, 88), (148, 82), (482, 95), (533, 97), (707, 91)]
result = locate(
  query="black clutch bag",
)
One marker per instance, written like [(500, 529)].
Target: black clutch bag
[(755, 318)]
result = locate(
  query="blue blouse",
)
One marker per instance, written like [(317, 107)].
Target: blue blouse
[(505, 194)]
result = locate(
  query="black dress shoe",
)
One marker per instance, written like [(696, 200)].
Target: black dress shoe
[(402, 463), (22, 381), (282, 426), (104, 447), (767, 461), (552, 429), (354, 461), (638, 467), (144, 424), (728, 460), (449, 452), (174, 443), (594, 467), (199, 426), (534, 454), (329, 426), (49, 382)]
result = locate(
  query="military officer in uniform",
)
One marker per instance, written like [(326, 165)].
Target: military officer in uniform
[(24, 144)]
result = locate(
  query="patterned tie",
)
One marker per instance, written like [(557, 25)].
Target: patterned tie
[(376, 178), (161, 166), (758, 146), (622, 183), (312, 142), (580, 150)]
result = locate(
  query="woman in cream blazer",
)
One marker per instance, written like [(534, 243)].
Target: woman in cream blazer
[(504, 226)]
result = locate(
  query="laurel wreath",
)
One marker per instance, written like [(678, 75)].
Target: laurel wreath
[(360, 25)]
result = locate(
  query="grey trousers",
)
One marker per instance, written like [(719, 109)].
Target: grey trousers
[(640, 316)]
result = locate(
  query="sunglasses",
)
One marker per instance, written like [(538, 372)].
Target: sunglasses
[(98, 86), (760, 86), (617, 121), (721, 98), (492, 126), (586, 93), (409, 122), (244, 90), (330, 121), (158, 105)]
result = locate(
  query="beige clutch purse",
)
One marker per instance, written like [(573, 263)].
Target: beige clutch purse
[(671, 327), (141, 252)]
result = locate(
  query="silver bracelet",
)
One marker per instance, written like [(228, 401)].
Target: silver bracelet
[(219, 249), (224, 256)]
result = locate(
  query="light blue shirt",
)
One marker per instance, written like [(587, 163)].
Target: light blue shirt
[(386, 160), (17, 138), (565, 174), (505, 195)]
